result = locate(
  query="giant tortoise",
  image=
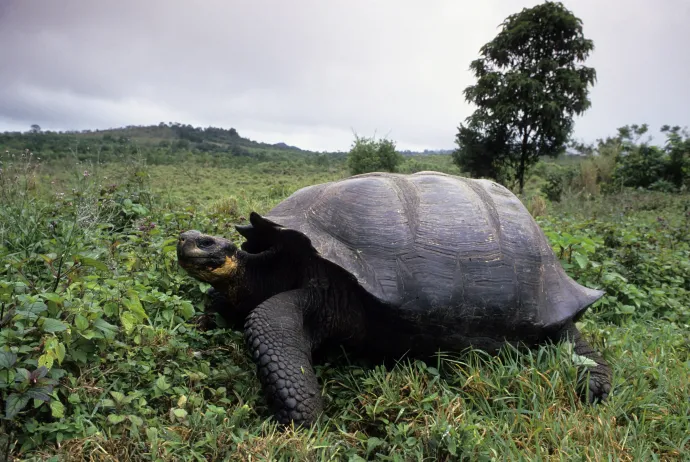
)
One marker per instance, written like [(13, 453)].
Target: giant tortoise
[(394, 264)]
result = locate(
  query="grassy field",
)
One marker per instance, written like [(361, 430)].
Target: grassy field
[(100, 357)]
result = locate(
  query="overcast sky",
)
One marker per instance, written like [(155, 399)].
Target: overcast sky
[(310, 72)]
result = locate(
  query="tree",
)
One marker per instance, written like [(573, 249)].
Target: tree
[(481, 153), (35, 128), (369, 155), (529, 87), (678, 149)]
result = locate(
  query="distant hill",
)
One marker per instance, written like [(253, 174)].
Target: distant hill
[(198, 137), (427, 152), (161, 143)]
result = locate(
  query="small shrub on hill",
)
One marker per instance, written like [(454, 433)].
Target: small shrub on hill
[(371, 155)]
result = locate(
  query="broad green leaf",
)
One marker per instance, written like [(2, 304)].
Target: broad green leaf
[(31, 310), (117, 396), (169, 245), (180, 413), (162, 384), (135, 419), (53, 325), (35, 307), (581, 260), (57, 409), (39, 393), (186, 310), (15, 403), (79, 355), (86, 261), (373, 443), (81, 322), (46, 360), (22, 375), (7, 376), (452, 447), (134, 305), (626, 309), (7, 359), (59, 352), (110, 309), (116, 419), (89, 334), (128, 321), (52, 297), (140, 209), (579, 360), (610, 276), (39, 372), (50, 344), (108, 329)]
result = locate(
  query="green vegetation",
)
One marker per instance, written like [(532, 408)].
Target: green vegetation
[(621, 162), (371, 155), (102, 353), (529, 87), (105, 355)]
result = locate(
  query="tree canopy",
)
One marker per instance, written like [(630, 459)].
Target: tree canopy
[(529, 86)]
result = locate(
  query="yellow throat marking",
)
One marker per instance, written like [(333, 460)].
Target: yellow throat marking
[(228, 268)]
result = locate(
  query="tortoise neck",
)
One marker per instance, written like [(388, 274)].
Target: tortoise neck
[(265, 274)]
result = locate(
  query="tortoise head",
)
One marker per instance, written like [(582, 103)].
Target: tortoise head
[(210, 259)]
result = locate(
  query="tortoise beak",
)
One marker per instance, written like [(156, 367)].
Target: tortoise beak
[(186, 245)]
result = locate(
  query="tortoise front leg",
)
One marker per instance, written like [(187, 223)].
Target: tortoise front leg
[(281, 348), (594, 381), (219, 303)]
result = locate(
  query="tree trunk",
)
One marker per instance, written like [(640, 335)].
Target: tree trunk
[(521, 172), (523, 156)]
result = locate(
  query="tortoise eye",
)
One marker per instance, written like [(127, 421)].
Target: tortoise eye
[(205, 242)]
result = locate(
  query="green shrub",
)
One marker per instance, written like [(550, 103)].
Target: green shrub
[(640, 167), (370, 155), (558, 178), (651, 167)]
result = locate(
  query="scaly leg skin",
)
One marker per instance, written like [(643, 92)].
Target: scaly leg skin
[(599, 383), (281, 348)]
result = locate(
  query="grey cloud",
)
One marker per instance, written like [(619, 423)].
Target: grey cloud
[(309, 72)]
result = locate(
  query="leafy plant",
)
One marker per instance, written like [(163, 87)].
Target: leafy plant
[(370, 155)]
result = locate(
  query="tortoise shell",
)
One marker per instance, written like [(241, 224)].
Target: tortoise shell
[(437, 243)]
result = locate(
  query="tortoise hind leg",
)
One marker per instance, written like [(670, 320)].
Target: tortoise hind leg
[(594, 381)]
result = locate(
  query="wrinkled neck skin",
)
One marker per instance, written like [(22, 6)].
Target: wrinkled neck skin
[(258, 277)]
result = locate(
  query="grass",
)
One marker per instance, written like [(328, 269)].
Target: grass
[(89, 289)]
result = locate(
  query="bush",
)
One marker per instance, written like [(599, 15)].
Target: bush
[(558, 178), (368, 155), (640, 167), (651, 167)]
